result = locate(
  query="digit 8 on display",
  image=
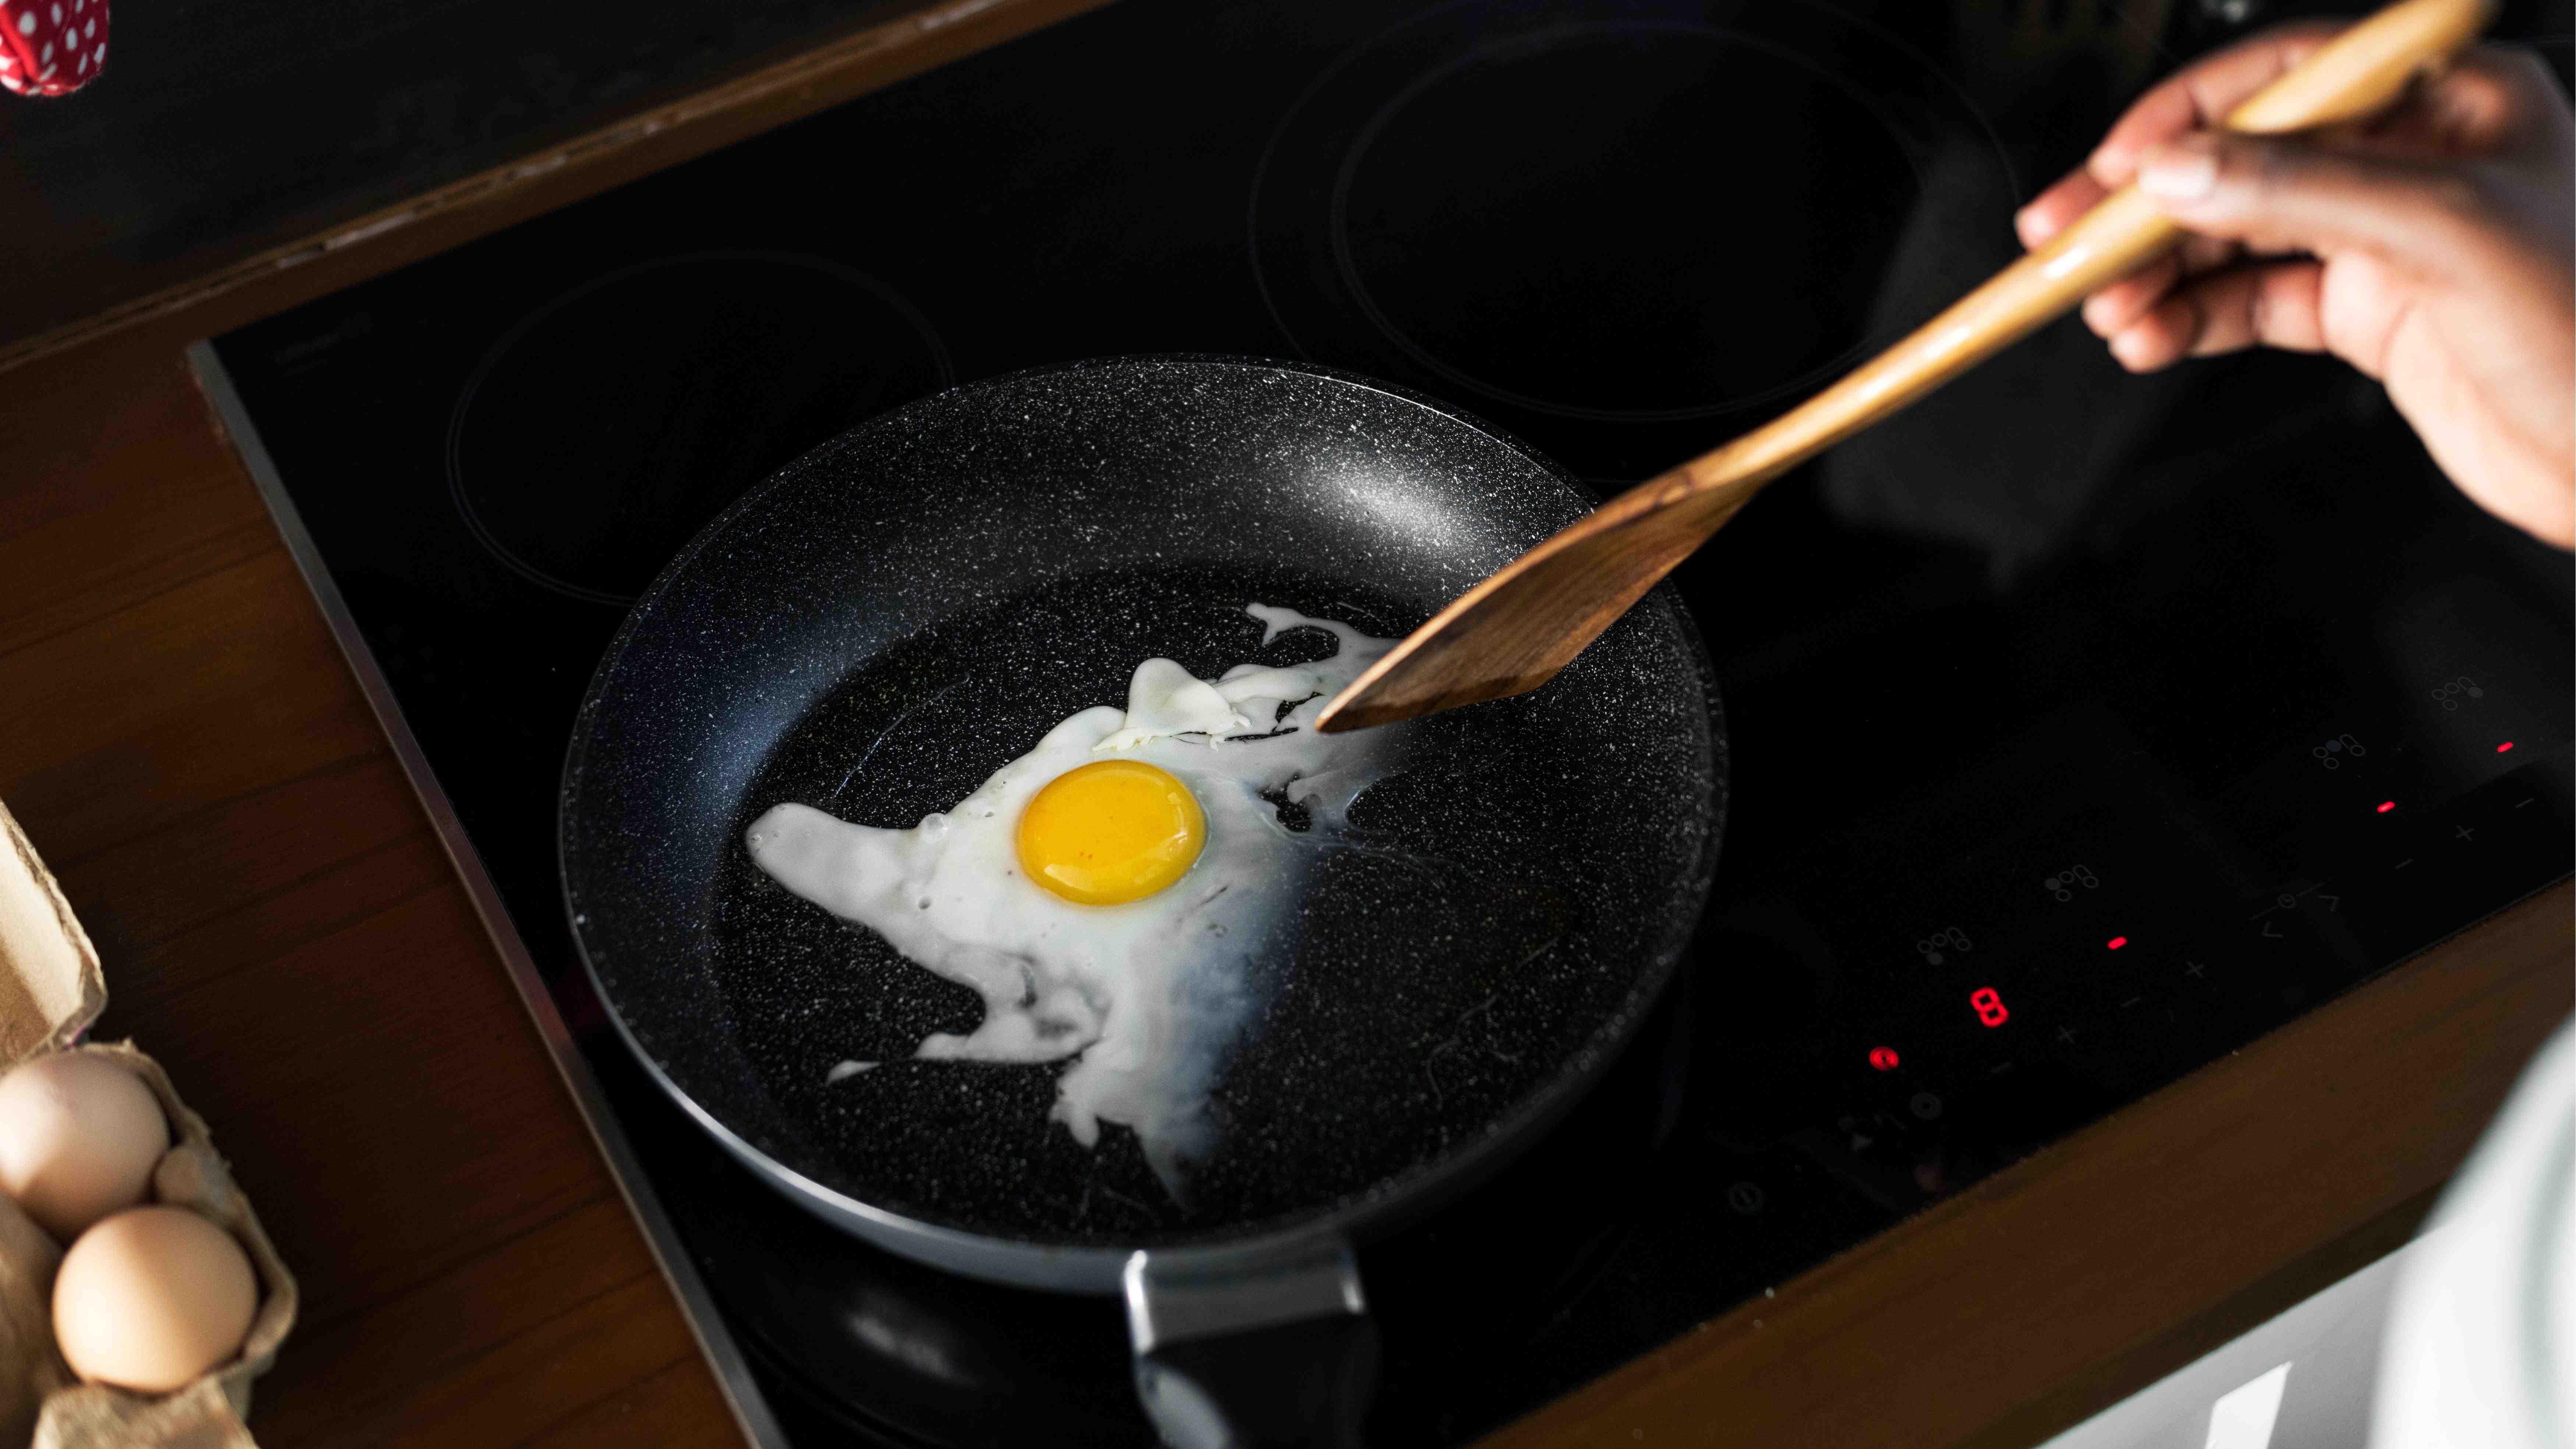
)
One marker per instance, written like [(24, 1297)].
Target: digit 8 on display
[(1989, 1006)]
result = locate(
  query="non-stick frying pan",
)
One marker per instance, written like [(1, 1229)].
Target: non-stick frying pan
[(889, 619)]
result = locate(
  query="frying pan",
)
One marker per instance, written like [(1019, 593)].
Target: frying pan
[(898, 613)]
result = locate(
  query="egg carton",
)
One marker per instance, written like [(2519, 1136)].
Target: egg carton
[(51, 989)]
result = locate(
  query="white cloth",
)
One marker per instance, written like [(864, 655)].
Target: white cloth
[(2480, 1351)]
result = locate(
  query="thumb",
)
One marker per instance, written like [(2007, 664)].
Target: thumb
[(2282, 196)]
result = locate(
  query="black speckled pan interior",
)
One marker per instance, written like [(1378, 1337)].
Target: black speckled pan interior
[(877, 628)]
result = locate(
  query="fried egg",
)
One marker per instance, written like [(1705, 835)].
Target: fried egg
[(1108, 893)]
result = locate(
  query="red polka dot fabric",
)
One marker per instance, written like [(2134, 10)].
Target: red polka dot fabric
[(51, 47)]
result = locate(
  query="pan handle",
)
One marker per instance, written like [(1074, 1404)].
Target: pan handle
[(1278, 1355)]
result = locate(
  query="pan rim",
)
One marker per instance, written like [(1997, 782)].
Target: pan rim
[(1095, 1268)]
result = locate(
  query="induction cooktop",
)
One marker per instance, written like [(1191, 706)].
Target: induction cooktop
[(2085, 727)]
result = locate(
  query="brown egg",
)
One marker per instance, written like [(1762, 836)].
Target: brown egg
[(151, 1298), (79, 1136)]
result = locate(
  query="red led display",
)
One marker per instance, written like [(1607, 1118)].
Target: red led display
[(1990, 1007), (2387, 805), (1883, 1058), (2500, 749), (2118, 941)]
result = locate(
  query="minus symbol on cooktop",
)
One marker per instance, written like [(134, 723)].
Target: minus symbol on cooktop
[(2526, 800), (2401, 865), (1998, 1069), (2132, 1001)]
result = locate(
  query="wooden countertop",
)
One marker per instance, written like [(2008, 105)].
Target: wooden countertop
[(183, 741)]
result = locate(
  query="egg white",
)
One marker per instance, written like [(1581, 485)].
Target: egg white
[(1144, 998)]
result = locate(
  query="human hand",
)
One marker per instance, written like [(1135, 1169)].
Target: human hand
[(2433, 247)]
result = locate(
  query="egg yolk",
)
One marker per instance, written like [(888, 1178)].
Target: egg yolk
[(1110, 831)]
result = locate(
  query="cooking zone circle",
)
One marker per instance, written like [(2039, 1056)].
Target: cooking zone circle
[(1706, 231), (600, 433)]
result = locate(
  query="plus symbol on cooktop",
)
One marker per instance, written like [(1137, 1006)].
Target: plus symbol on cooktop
[(2464, 833), (2194, 969), (2066, 1034)]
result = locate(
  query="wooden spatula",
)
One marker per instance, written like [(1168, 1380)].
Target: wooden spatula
[(1515, 630)]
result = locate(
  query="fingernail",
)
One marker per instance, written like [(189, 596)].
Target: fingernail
[(2178, 173)]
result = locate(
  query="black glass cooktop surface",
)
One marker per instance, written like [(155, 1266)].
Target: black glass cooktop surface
[(2084, 727)]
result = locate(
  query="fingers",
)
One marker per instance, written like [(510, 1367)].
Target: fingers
[(2052, 210), (2487, 100), (2275, 303), (2286, 196), (2112, 310), (2199, 96), (2279, 304), (2192, 99), (2482, 102)]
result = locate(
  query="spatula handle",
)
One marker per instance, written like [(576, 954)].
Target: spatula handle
[(2353, 75)]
